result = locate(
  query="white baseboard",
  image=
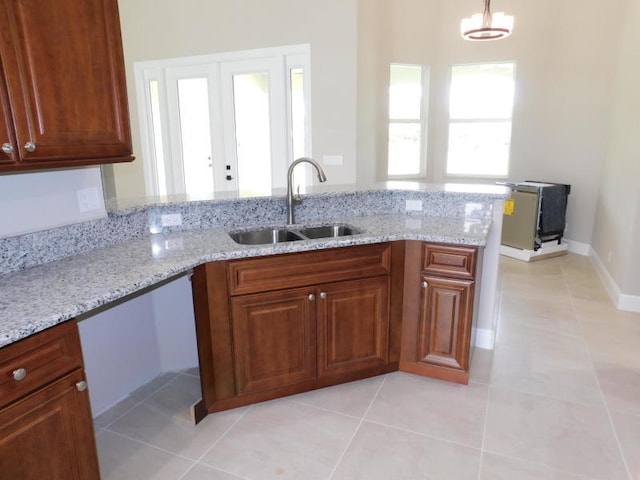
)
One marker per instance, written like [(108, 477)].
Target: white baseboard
[(546, 251), (579, 247), (485, 338), (627, 303)]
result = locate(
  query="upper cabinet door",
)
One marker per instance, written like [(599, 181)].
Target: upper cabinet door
[(64, 72), (7, 140)]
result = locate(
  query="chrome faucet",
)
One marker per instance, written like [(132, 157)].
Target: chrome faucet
[(291, 199)]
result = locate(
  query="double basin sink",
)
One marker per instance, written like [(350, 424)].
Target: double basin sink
[(291, 234)]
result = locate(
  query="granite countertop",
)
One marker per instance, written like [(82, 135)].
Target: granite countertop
[(35, 298)]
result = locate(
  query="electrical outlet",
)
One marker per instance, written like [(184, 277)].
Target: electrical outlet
[(171, 219), (88, 199), (413, 205)]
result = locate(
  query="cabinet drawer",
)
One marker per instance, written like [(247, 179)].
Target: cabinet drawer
[(37, 360), (308, 268), (450, 261)]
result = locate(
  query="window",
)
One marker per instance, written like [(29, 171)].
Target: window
[(224, 122), (480, 110), (407, 120)]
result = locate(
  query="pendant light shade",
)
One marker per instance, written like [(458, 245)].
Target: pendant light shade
[(486, 25)]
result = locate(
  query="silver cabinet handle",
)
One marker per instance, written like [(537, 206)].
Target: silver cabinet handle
[(312, 297), (425, 284), (19, 374), (323, 295), (30, 147), (7, 148), (81, 386)]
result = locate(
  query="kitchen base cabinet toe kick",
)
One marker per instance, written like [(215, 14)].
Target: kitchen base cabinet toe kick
[(273, 326)]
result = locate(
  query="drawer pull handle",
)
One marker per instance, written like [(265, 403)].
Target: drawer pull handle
[(19, 374), (81, 386), (30, 147), (425, 285), (323, 295), (7, 148), (312, 297)]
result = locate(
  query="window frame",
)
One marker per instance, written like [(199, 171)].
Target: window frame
[(423, 121), (495, 120)]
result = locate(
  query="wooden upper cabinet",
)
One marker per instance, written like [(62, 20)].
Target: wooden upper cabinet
[(63, 79)]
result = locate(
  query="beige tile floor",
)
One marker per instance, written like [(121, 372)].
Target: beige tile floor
[(558, 398)]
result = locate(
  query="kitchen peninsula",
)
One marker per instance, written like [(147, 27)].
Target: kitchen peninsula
[(443, 237), (49, 277)]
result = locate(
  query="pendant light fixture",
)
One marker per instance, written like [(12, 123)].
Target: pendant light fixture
[(486, 26)]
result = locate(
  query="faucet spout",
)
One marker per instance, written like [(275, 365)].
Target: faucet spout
[(322, 177)]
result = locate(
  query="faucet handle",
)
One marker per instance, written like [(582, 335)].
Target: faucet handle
[(297, 198)]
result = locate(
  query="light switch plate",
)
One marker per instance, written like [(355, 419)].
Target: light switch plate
[(88, 199)]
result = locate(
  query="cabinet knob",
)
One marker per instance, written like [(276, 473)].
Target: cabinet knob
[(312, 297), (323, 295), (19, 374), (81, 386), (7, 148), (30, 147), (425, 285)]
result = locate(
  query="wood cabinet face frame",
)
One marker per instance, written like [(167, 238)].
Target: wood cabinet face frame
[(65, 96), (439, 310), (46, 427), (350, 278)]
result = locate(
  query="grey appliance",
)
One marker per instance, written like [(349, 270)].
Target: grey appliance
[(534, 214)]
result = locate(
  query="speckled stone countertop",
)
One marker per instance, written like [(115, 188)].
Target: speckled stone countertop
[(76, 277)]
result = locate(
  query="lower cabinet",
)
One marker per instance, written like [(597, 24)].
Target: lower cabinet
[(278, 325), (440, 290), (46, 429), (296, 322)]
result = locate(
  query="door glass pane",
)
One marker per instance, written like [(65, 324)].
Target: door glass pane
[(195, 135), (253, 144), (158, 147), (404, 148)]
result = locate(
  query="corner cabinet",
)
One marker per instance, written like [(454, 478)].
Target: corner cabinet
[(46, 429), (62, 85), (439, 310), (278, 325)]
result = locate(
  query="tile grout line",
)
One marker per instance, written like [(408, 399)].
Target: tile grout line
[(224, 434), (355, 432), (484, 429), (595, 374), (136, 404), (495, 344)]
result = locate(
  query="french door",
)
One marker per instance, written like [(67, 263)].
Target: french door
[(224, 123)]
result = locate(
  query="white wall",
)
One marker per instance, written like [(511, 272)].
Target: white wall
[(617, 224), (137, 339), (30, 202)]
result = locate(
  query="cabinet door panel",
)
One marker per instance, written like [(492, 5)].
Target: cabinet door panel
[(353, 331), (65, 79), (445, 322), (6, 131), (274, 339), (43, 357), (49, 435)]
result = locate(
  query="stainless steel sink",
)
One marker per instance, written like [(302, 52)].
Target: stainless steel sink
[(327, 231), (263, 237), (278, 235)]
